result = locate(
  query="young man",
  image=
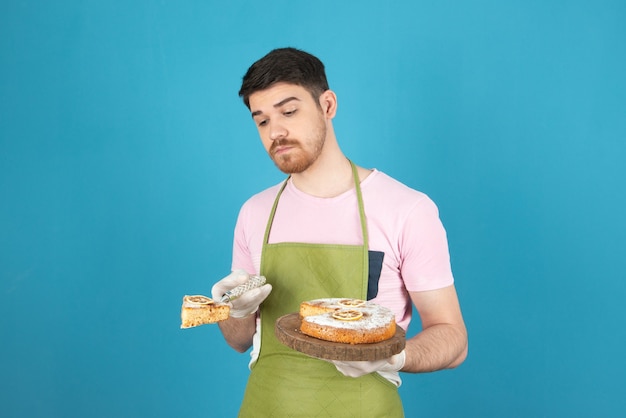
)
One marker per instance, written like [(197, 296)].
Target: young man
[(332, 229)]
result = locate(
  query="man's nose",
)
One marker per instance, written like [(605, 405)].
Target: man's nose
[(277, 131)]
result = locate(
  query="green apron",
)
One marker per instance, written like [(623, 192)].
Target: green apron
[(286, 383)]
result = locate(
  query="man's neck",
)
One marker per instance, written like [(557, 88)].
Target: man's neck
[(329, 176)]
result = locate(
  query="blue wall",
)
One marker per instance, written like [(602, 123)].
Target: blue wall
[(125, 154)]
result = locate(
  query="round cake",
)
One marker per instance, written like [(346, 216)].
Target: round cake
[(200, 310), (345, 320)]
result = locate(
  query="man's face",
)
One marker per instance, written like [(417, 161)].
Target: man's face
[(291, 124)]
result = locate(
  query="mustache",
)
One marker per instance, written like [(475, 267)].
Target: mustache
[(281, 143)]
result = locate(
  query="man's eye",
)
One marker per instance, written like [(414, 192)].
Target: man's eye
[(290, 112), (262, 123)]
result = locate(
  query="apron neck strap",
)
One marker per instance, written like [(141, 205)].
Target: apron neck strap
[(359, 197)]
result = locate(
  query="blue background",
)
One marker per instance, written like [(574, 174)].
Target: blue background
[(125, 154)]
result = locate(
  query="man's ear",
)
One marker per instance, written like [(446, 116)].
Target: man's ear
[(328, 103)]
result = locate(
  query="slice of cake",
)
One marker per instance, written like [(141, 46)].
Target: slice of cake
[(200, 310), (346, 320)]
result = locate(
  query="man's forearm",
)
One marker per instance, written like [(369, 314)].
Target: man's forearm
[(441, 346), (238, 332)]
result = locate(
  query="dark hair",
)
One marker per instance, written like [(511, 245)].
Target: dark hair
[(289, 65)]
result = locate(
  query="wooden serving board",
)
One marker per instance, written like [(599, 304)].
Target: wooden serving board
[(288, 332)]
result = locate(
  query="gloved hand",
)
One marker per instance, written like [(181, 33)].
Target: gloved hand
[(360, 368), (246, 304)]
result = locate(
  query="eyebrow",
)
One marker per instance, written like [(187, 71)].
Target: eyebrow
[(277, 105)]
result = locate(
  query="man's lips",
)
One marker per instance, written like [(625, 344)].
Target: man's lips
[(280, 148)]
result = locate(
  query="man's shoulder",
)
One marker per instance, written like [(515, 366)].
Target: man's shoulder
[(386, 196), (264, 197), (386, 185)]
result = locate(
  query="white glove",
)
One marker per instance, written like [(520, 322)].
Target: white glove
[(246, 304), (360, 368)]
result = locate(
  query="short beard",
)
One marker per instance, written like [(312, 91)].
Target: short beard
[(297, 162)]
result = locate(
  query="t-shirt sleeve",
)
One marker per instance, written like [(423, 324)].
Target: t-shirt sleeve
[(425, 263), (242, 259)]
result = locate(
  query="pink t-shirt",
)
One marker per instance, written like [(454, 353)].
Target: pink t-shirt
[(402, 223)]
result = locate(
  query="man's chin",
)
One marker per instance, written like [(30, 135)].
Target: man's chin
[(290, 167)]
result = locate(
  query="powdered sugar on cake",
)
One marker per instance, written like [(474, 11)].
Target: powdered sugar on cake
[(373, 318)]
